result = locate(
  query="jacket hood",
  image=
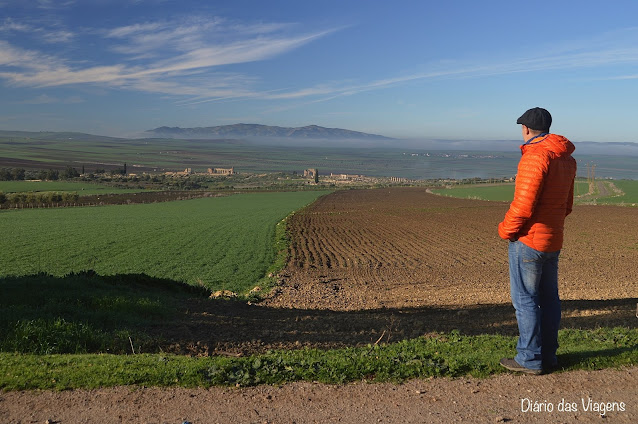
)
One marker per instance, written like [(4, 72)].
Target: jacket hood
[(555, 143)]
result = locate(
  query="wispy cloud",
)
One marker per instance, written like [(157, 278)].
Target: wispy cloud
[(47, 35), (10, 25), (54, 4), (61, 36), (185, 57), (170, 57), (623, 77), (46, 99), (609, 50)]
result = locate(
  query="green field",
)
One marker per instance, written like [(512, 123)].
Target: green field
[(630, 196), (60, 186), (223, 243), (501, 192)]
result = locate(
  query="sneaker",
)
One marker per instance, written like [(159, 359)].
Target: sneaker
[(512, 365)]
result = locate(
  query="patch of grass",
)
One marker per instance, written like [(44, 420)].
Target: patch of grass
[(450, 355), (505, 192), (223, 243), (629, 196), (580, 188), (76, 332), (85, 313), (282, 242), (499, 193)]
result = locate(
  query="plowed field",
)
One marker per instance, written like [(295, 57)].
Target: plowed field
[(427, 262)]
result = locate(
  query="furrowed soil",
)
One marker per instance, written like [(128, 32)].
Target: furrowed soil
[(385, 265)]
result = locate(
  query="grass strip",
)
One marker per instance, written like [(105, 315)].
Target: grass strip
[(437, 355), (221, 243), (85, 312)]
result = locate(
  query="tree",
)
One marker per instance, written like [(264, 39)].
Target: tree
[(316, 176), (119, 171), (69, 173), (52, 175), (5, 175), (69, 197), (18, 174), (17, 198), (30, 198)]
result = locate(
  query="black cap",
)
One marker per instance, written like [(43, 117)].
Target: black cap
[(537, 119)]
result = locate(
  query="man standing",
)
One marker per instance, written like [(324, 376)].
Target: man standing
[(543, 197)]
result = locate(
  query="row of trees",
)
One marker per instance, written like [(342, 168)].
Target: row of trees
[(20, 174), (12, 174), (33, 199)]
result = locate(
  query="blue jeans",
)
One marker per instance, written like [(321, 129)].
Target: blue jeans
[(534, 291)]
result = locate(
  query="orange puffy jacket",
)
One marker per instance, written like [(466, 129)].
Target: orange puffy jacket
[(543, 195)]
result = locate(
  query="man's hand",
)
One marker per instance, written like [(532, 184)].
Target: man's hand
[(503, 234)]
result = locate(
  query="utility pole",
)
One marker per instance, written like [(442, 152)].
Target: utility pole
[(591, 172)]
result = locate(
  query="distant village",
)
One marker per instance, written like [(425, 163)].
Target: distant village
[(209, 171), (453, 155), (311, 174)]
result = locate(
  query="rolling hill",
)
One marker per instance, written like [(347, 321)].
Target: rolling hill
[(253, 131)]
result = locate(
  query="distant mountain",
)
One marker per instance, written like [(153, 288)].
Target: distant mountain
[(610, 148), (263, 131), (56, 135)]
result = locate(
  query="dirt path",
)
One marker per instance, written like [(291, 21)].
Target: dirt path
[(504, 398), (603, 191)]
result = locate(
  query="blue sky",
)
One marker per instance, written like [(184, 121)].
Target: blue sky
[(412, 69)]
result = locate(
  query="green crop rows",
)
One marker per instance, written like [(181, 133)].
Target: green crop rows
[(222, 243)]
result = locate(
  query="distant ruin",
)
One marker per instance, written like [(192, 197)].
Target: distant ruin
[(346, 177), (187, 171), (310, 173), (221, 171)]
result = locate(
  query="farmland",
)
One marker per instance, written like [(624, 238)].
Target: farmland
[(499, 193), (407, 248), (619, 192), (363, 254), (59, 150), (387, 264), (395, 283), (81, 188), (221, 243)]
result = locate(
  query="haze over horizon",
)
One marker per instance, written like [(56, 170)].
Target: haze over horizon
[(410, 70)]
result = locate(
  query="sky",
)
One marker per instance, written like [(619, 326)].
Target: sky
[(406, 69)]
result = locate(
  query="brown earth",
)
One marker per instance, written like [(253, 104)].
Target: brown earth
[(388, 264), (492, 400)]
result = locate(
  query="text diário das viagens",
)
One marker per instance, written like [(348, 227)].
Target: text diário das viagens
[(585, 405)]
